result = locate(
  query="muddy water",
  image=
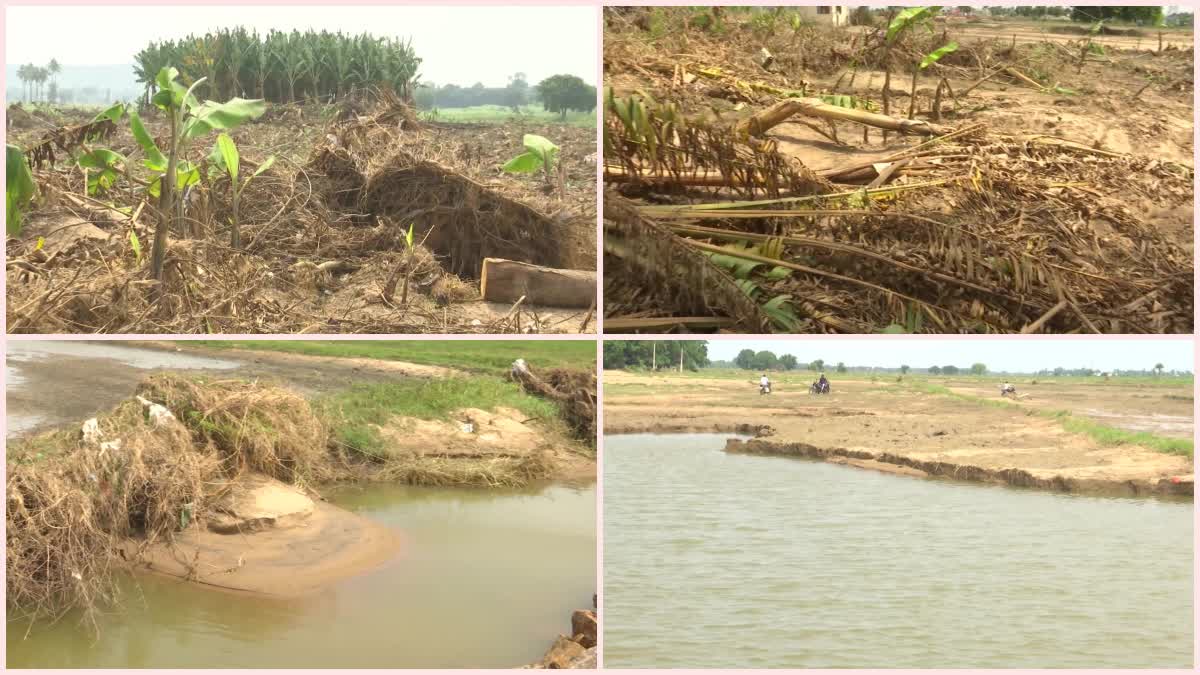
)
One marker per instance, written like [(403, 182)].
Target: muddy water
[(483, 579), (53, 383), (715, 560)]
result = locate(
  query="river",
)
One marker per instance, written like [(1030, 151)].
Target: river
[(484, 579), (716, 560)]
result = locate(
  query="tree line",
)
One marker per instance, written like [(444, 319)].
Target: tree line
[(557, 93), (655, 354), (33, 80)]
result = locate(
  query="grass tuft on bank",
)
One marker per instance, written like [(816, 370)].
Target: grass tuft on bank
[(355, 413)]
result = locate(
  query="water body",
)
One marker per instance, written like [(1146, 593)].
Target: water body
[(484, 579), (716, 560)]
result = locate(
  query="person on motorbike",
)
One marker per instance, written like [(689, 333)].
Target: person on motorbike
[(764, 384), (1007, 389), (823, 384)]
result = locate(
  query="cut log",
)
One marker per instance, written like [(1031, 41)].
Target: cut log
[(509, 280), (815, 107)]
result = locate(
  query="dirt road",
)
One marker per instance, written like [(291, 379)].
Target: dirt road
[(884, 426)]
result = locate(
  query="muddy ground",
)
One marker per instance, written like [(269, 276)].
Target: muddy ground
[(1080, 211), (323, 229), (888, 426)]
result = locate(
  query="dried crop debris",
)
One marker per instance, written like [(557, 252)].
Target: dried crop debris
[(980, 223)]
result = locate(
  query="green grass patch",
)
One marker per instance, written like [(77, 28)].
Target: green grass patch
[(498, 114), (492, 357), (353, 412), (1101, 433), (1111, 436)]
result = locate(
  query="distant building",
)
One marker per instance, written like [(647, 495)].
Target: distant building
[(833, 15)]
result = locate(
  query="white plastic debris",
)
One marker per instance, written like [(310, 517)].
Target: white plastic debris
[(467, 427), (110, 445), (158, 413), (476, 322), (91, 431)]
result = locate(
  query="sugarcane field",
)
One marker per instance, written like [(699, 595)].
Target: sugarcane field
[(898, 170), (304, 181)]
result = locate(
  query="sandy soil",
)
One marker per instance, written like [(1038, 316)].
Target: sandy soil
[(333, 544), (880, 422)]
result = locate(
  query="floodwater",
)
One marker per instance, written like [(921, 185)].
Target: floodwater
[(484, 579), (716, 560), (51, 383)]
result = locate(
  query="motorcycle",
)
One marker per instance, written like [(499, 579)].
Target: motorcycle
[(818, 388), (764, 389)]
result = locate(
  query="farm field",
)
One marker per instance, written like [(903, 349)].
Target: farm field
[(1100, 436), (767, 173), (314, 202)]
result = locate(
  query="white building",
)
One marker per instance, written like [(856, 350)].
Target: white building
[(833, 15)]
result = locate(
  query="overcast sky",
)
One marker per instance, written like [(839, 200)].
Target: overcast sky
[(1005, 354), (459, 45)]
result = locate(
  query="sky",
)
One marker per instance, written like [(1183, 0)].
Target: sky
[(459, 45), (1000, 355)]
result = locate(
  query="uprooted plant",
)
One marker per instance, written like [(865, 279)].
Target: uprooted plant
[(225, 158)]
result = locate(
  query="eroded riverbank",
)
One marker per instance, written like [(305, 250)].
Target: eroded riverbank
[(146, 482), (889, 426)]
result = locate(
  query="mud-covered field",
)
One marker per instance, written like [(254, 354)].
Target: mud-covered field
[(898, 426), (1025, 185), (323, 229)]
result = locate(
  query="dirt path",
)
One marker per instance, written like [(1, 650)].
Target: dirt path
[(900, 429)]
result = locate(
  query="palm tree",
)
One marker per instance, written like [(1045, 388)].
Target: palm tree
[(53, 69), (1158, 368), (23, 75)]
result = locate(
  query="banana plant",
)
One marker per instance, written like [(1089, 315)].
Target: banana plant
[(226, 159), (539, 153), (190, 119), (930, 59), (19, 188)]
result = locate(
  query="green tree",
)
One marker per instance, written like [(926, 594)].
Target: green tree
[(765, 360), (745, 359), (788, 362), (560, 93), (817, 365), (935, 370), (1141, 15), (517, 92), (950, 370), (1158, 368), (841, 367), (978, 369), (904, 370)]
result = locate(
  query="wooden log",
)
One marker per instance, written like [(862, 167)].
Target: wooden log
[(509, 280), (665, 324), (815, 107)]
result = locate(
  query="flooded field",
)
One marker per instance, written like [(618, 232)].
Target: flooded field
[(463, 592), (717, 560)]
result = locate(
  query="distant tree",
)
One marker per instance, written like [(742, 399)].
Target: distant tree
[(1158, 368), (745, 359), (978, 369), (965, 9), (817, 365), (788, 362), (560, 93), (935, 370), (904, 370), (665, 354), (52, 70), (1148, 15), (766, 360), (517, 92), (950, 370), (1058, 372), (841, 367)]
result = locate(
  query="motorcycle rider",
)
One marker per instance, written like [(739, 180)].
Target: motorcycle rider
[(764, 384)]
